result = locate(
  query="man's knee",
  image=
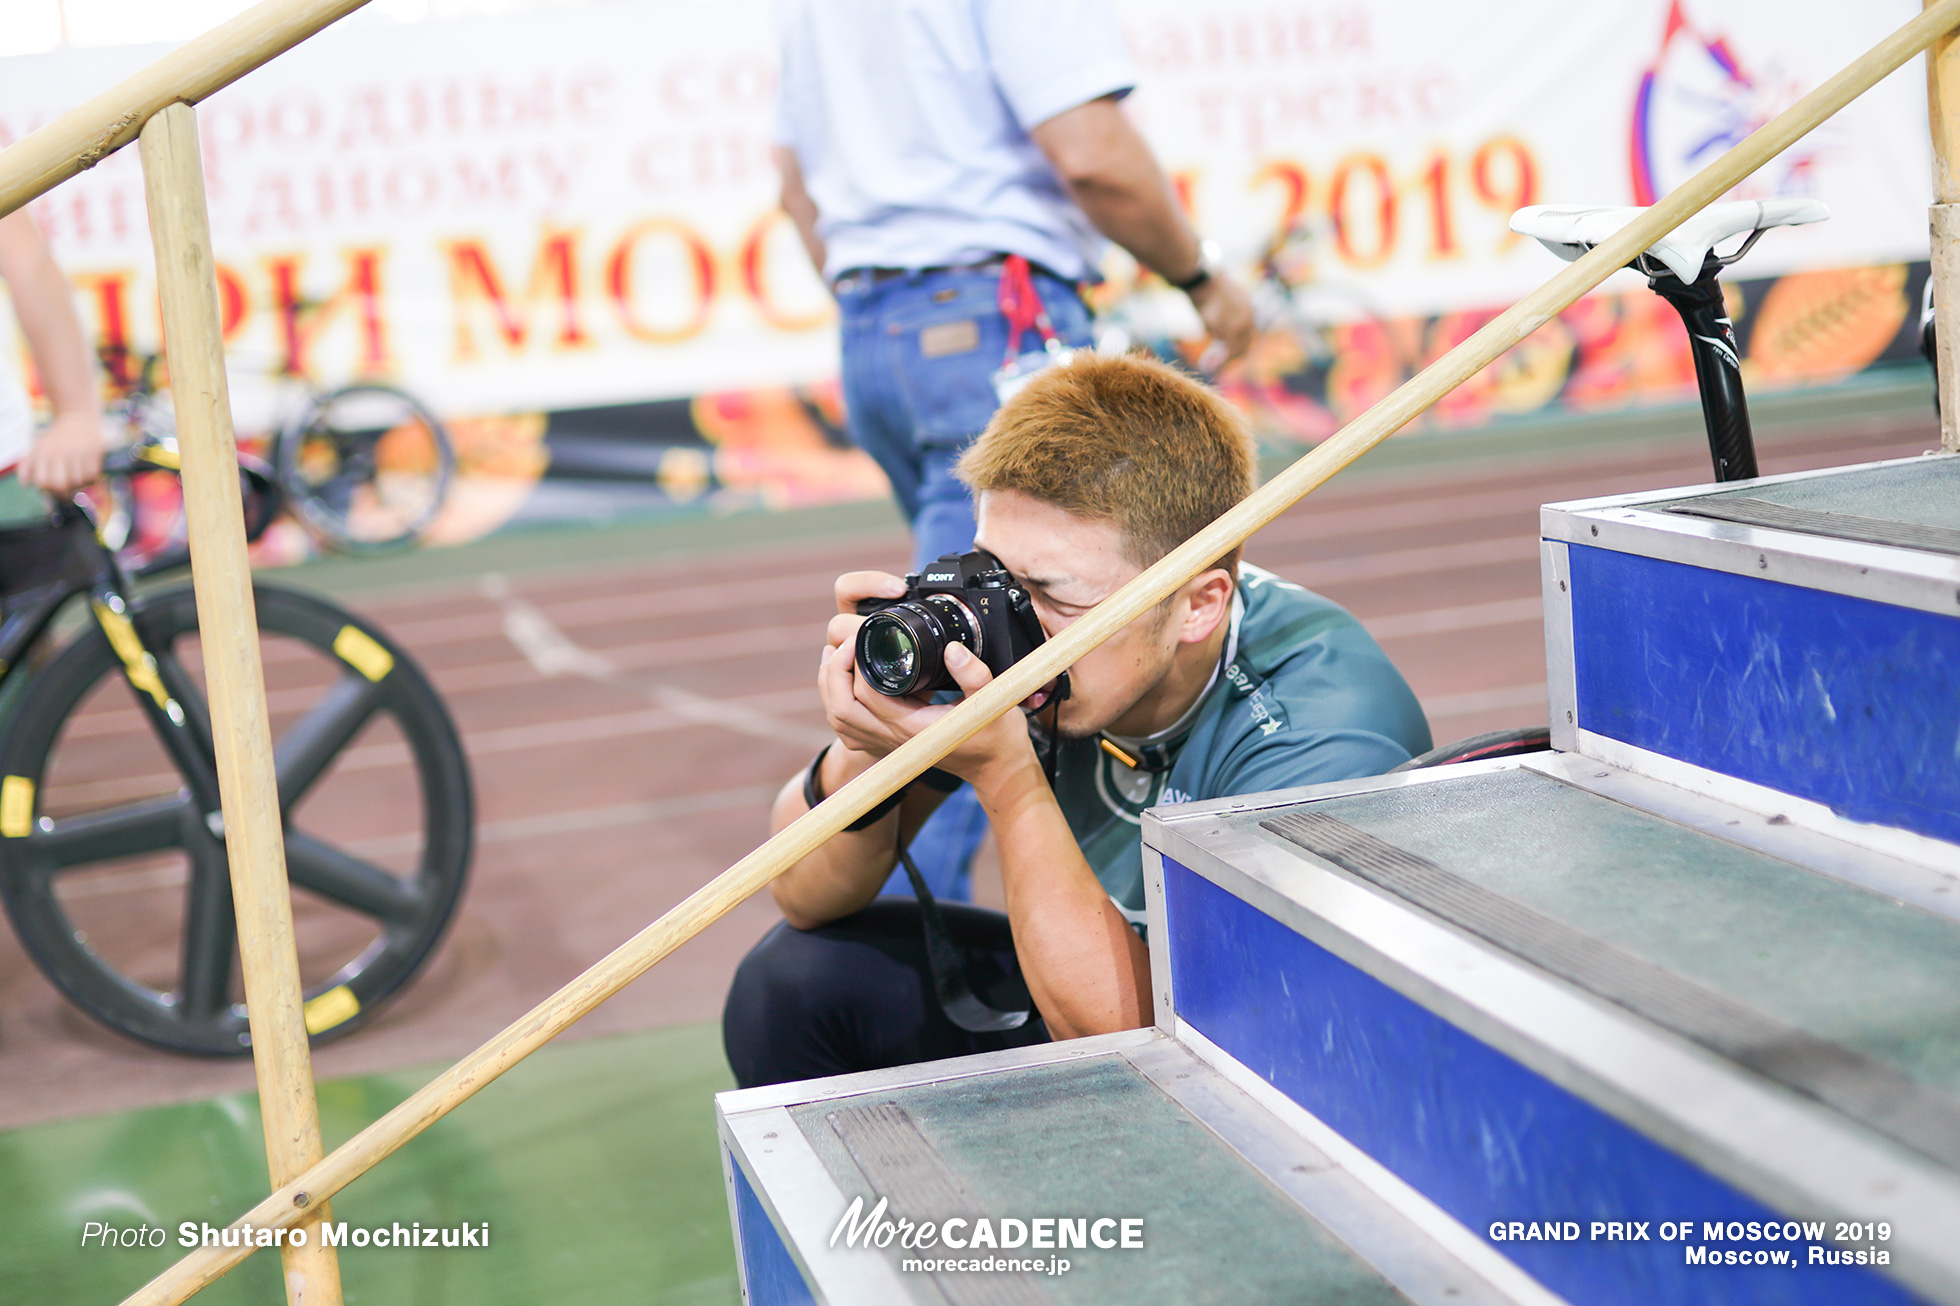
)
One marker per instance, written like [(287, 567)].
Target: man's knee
[(814, 1002), (789, 973)]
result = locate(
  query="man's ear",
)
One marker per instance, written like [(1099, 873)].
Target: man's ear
[(1208, 601)]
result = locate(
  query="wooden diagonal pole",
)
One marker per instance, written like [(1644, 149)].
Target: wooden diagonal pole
[(1943, 222), (453, 1087), (90, 132), (255, 839)]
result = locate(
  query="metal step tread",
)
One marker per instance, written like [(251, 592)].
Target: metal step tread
[(1825, 987), (1914, 505), (1234, 1205), (1576, 960)]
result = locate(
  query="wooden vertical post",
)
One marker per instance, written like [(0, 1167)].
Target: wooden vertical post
[(1943, 105), (173, 179)]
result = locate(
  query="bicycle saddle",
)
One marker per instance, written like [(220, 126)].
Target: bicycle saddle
[(1569, 233)]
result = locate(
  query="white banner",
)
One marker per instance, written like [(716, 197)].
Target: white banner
[(576, 207)]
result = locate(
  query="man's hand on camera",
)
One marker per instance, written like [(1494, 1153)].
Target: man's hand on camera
[(874, 724)]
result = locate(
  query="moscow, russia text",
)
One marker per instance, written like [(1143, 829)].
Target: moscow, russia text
[(1751, 1242)]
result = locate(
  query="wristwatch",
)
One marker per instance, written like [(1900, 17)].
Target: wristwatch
[(1208, 259)]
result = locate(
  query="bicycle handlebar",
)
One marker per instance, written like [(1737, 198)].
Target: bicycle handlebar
[(258, 486)]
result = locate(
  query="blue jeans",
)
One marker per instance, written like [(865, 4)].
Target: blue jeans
[(915, 414)]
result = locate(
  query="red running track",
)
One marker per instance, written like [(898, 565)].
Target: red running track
[(628, 724)]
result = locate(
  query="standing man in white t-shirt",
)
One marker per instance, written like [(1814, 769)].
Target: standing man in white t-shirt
[(67, 454), (921, 143)]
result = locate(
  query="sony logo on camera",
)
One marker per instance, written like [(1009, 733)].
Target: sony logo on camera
[(901, 646)]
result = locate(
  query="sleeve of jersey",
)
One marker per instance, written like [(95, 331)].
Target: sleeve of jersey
[(1048, 56), (1337, 712), (1326, 755)]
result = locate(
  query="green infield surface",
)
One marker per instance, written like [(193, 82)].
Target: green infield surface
[(594, 1165)]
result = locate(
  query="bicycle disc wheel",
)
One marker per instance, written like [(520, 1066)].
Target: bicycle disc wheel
[(117, 883), (366, 467)]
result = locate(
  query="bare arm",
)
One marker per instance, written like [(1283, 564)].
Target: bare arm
[(1085, 966), (845, 874), (1086, 969), (797, 203), (68, 454), (1114, 178)]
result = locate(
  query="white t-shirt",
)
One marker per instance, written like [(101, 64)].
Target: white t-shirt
[(910, 121)]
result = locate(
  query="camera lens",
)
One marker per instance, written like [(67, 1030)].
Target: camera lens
[(888, 653), (902, 649)]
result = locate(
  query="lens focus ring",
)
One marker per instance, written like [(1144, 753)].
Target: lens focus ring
[(902, 649)]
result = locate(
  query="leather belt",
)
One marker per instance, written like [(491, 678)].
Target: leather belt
[(877, 276)]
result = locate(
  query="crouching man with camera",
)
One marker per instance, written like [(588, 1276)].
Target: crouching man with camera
[(1238, 683)]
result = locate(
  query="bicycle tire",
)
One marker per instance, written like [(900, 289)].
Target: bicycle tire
[(1479, 748), (323, 497), (409, 914)]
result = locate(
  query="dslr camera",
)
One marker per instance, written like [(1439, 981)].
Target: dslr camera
[(964, 598)]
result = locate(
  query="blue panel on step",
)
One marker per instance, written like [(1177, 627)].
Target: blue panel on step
[(1844, 701), (769, 1273), (1473, 1130)]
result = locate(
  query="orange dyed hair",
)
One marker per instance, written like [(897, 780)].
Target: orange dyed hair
[(1121, 439)]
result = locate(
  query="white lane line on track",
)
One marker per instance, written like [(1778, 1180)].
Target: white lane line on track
[(775, 639), (548, 649), (1316, 572), (754, 641), (591, 818), (483, 743), (551, 652), (1486, 700), (1470, 616), (554, 824), (775, 590)]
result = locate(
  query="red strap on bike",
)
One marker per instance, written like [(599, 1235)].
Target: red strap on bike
[(1020, 303)]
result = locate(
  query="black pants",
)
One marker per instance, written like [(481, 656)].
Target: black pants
[(857, 995)]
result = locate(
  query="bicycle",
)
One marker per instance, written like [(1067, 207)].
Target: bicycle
[(1683, 269), (104, 808), (363, 467)]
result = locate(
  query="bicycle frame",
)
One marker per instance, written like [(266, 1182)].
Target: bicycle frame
[(1718, 362), (63, 560), (75, 561)]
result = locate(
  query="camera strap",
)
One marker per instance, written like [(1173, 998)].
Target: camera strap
[(950, 983)]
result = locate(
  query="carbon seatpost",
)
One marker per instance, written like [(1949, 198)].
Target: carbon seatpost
[(1718, 366)]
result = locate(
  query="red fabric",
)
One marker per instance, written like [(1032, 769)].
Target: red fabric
[(1020, 303)]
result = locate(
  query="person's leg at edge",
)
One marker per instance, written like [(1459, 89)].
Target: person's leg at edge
[(857, 995), (875, 413), (944, 847)]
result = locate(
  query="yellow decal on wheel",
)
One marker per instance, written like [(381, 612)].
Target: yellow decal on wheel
[(359, 650), (16, 806), (334, 1007), (138, 665), (158, 456)]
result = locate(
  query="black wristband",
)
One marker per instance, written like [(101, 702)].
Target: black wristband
[(1195, 280), (813, 794)]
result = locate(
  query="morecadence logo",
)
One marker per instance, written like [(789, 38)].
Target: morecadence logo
[(879, 1228)]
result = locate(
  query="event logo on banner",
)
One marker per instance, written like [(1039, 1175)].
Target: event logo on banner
[(560, 227), (1696, 101), (1704, 92)]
